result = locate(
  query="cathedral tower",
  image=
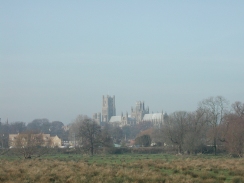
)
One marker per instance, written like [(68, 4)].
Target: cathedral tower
[(139, 111), (108, 108)]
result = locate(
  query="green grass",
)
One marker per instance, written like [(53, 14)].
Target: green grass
[(108, 159)]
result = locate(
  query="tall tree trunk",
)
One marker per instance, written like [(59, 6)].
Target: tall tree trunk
[(92, 150), (215, 146), (179, 149)]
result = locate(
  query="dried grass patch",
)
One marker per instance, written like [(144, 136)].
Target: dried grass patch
[(117, 169)]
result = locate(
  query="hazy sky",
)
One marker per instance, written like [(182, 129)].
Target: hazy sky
[(58, 58)]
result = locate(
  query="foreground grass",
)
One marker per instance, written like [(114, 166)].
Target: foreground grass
[(123, 168)]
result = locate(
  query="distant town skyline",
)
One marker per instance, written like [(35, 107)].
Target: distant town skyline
[(57, 59)]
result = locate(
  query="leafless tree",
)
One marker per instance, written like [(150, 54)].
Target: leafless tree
[(29, 144), (175, 128), (74, 128), (158, 137), (238, 107), (233, 130), (214, 109), (91, 135), (115, 132), (195, 136)]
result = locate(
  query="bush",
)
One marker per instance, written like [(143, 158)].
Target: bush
[(144, 140), (140, 150), (117, 150)]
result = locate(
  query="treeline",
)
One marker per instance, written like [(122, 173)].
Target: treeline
[(213, 126), (92, 138), (36, 126)]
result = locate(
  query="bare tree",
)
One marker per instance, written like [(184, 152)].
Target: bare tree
[(195, 136), (91, 135), (136, 129), (233, 130), (29, 144), (74, 128), (238, 107), (115, 132), (158, 136), (214, 109), (175, 128)]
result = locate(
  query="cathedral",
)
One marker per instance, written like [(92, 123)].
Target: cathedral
[(138, 114)]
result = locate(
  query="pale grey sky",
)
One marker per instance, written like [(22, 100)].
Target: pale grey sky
[(57, 58)]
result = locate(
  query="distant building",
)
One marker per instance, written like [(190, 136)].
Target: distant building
[(139, 111), (97, 117), (156, 118), (108, 108), (123, 120), (46, 139), (138, 114)]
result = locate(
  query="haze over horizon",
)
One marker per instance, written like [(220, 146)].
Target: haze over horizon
[(58, 58)]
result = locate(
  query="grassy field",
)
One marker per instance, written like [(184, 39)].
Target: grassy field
[(123, 168)]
